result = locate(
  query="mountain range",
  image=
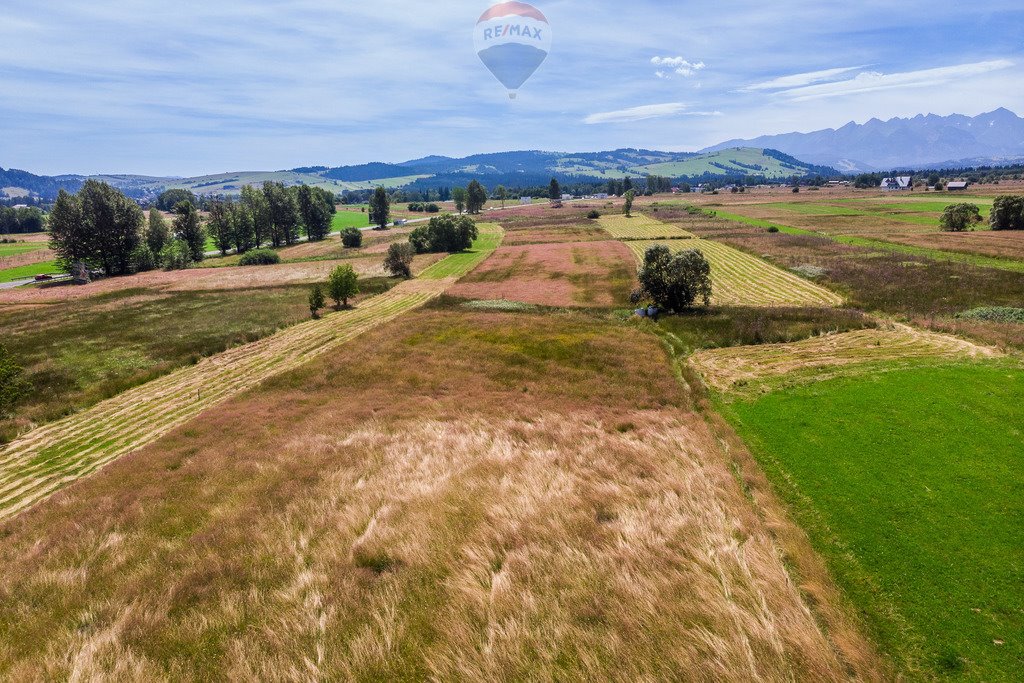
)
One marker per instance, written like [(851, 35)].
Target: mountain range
[(921, 142), (513, 169), (924, 141)]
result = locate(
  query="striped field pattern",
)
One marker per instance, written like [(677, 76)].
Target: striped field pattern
[(641, 227), (727, 368), (53, 456), (739, 279)]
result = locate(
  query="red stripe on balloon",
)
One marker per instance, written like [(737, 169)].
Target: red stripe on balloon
[(504, 9)]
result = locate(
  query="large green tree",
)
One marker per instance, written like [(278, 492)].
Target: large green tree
[(221, 225), (284, 214), (960, 217), (158, 233), (476, 197), (169, 199), (188, 227), (316, 213), (501, 192), (1007, 213), (99, 226), (674, 281), (342, 285), (627, 208), (554, 190), (460, 196), (254, 202), (380, 208), (447, 233)]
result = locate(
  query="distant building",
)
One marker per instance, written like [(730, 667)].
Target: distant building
[(899, 183), (566, 197), (526, 200), (601, 195), (957, 186)]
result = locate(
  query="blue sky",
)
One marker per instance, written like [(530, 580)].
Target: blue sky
[(186, 87)]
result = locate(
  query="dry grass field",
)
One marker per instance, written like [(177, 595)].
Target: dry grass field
[(562, 274), (470, 496), (743, 367), (51, 457), (640, 227), (209, 279)]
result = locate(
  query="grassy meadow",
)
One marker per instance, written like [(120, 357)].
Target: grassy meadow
[(494, 471), (908, 481)]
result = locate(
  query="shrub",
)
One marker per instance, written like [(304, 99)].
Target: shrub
[(772, 229), (352, 238), (259, 257), (143, 259), (594, 214), (674, 281), (176, 255), (433, 208), (13, 386), (316, 301), (1007, 213), (446, 233), (342, 285), (398, 262), (959, 217)]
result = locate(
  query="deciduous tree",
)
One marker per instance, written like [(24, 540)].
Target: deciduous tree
[(398, 262), (342, 285), (188, 228), (674, 282), (380, 208), (476, 197)]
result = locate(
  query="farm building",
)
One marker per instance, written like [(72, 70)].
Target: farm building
[(957, 186), (898, 183)]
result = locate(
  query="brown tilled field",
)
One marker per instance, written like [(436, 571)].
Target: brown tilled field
[(471, 496), (568, 274)]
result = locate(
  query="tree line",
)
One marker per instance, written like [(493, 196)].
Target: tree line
[(101, 227), (20, 221)]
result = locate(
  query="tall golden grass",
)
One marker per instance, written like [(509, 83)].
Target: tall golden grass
[(466, 496)]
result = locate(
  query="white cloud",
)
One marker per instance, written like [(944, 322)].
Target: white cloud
[(798, 80), (873, 81), (644, 112), (678, 65)]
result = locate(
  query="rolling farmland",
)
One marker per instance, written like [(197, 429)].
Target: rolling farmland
[(51, 457)]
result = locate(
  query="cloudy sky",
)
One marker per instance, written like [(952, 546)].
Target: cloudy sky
[(186, 87)]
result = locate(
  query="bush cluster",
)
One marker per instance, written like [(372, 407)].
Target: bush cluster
[(446, 233), (424, 207), (352, 238), (259, 257), (1008, 212)]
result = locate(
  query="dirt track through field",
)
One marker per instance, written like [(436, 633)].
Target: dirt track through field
[(51, 457), (728, 368)]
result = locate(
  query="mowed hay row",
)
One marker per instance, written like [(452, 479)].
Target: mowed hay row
[(725, 369), (739, 279), (48, 458), (640, 227)]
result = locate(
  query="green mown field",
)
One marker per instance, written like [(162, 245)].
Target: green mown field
[(910, 483), (30, 271)]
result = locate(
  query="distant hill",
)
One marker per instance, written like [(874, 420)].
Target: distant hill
[(512, 169), (995, 138)]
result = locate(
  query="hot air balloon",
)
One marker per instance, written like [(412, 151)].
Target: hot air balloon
[(512, 40)]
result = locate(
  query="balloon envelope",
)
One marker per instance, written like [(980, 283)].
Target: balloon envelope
[(512, 40)]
